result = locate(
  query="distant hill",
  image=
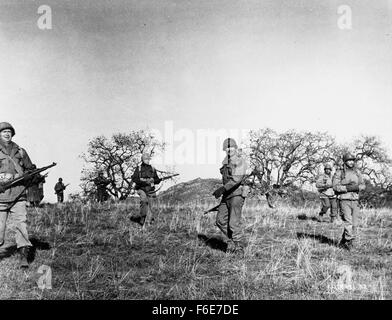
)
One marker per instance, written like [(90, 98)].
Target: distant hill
[(196, 189)]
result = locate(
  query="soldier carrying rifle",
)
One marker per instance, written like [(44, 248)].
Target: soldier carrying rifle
[(233, 193), (347, 183), (101, 183), (327, 194), (145, 178), (59, 190), (14, 167)]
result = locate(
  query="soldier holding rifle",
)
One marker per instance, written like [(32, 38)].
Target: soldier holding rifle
[(59, 190), (347, 183), (14, 162), (233, 193), (145, 178), (101, 183), (327, 194)]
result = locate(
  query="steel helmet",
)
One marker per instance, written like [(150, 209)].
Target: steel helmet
[(229, 142), (348, 156), (6, 125)]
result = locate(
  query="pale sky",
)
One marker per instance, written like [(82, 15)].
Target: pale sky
[(116, 66)]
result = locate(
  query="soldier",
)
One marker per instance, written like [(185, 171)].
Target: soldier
[(145, 178), (228, 218), (327, 195), (59, 190), (101, 183), (347, 182), (14, 161)]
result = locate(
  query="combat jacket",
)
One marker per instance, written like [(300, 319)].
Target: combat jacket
[(145, 171), (345, 177), (59, 187), (14, 161), (233, 171), (324, 186), (101, 183)]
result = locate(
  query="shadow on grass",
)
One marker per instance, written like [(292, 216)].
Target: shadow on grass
[(318, 237), (37, 245), (305, 217), (213, 242)]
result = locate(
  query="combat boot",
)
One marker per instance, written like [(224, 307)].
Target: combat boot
[(23, 256)]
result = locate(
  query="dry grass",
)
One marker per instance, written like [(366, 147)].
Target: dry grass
[(97, 253)]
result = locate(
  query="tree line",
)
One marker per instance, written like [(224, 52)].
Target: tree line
[(283, 161)]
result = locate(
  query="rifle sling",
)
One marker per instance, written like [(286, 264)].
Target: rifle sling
[(17, 167)]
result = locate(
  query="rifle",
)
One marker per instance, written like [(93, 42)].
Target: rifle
[(22, 180), (55, 192), (25, 178), (244, 178), (170, 176), (162, 179), (212, 209)]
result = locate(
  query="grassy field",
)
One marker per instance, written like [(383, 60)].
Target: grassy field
[(95, 252)]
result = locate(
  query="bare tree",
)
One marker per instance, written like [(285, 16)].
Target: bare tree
[(288, 159), (374, 162), (118, 157)]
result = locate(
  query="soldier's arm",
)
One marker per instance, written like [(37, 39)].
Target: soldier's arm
[(337, 183), (27, 164), (356, 187), (157, 180), (136, 177), (320, 182)]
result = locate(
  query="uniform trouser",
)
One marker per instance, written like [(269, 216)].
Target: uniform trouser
[(14, 220), (350, 214), (60, 197), (101, 195), (228, 218), (329, 203), (145, 205)]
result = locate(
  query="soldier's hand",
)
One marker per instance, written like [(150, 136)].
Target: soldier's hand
[(218, 192)]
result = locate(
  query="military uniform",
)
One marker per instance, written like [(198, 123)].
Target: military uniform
[(101, 182), (59, 190), (228, 218), (14, 161), (145, 189), (347, 183), (35, 193), (327, 196)]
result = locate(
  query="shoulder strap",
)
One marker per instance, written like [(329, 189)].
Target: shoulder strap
[(18, 168)]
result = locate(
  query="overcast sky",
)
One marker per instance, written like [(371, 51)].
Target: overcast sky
[(115, 66)]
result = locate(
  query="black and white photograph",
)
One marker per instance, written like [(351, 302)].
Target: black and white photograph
[(194, 155)]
